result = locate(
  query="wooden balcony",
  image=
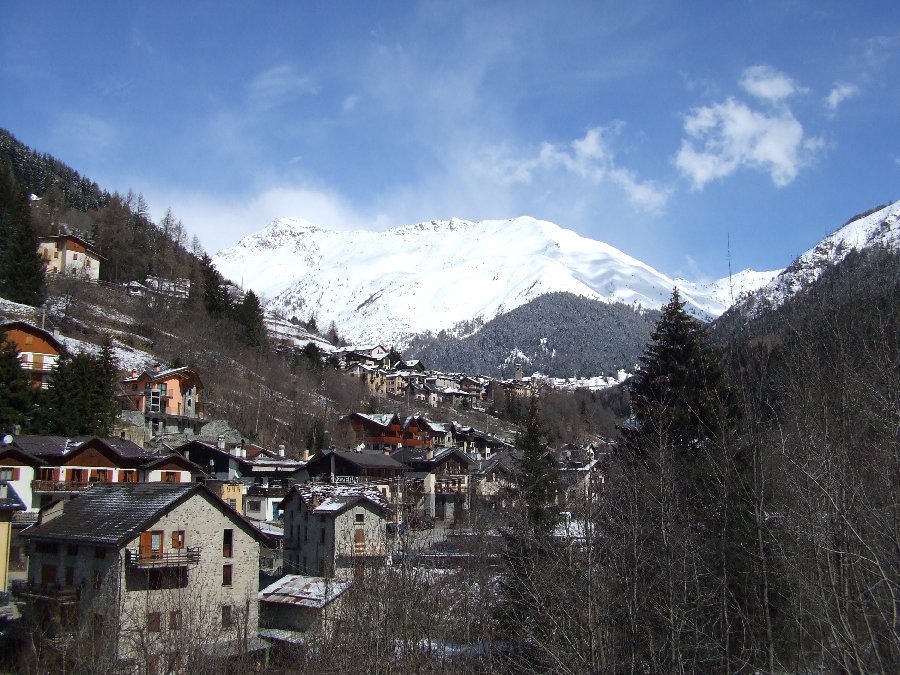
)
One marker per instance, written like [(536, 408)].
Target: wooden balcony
[(39, 486), (179, 557), (270, 491), (36, 592)]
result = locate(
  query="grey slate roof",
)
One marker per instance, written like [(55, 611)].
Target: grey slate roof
[(112, 513)]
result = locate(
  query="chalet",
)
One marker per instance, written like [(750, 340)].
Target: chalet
[(152, 571), (581, 470), (68, 254), (478, 444), (168, 400), (378, 470), (438, 481), (330, 528), (368, 355), (38, 349), (376, 432), (63, 467), (262, 477)]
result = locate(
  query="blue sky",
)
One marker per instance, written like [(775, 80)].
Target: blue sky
[(663, 128)]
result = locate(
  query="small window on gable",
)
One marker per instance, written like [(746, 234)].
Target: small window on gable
[(360, 517), (227, 543)]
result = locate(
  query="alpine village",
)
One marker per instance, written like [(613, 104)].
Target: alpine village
[(190, 482)]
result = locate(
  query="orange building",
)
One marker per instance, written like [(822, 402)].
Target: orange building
[(38, 350), (169, 399)]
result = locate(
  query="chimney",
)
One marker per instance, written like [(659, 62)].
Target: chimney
[(281, 450), (518, 371), (157, 367), (134, 373), (305, 455), (387, 452), (429, 453), (57, 333), (220, 442), (3, 492)]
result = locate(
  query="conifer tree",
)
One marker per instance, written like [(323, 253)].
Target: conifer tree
[(21, 268), (16, 393), (691, 504), (249, 314)]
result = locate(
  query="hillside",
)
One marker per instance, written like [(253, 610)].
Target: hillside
[(558, 334)]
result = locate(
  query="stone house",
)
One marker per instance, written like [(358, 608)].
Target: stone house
[(151, 571), (375, 469), (438, 481), (331, 529)]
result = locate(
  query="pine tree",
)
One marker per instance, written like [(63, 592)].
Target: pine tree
[(16, 393), (530, 554), (691, 502), (81, 399), (21, 268), (249, 314)]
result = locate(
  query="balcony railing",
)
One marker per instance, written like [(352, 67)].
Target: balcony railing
[(29, 590), (179, 557), (60, 485), (270, 491)]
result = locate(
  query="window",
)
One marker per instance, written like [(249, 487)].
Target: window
[(99, 552), (45, 547), (171, 476), (71, 549), (227, 543), (178, 539), (360, 517), (70, 576), (9, 474), (226, 575), (254, 505), (128, 476), (154, 622), (151, 544), (227, 618), (233, 503), (175, 619)]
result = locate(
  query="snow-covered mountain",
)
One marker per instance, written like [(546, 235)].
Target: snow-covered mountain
[(386, 286), (881, 227)]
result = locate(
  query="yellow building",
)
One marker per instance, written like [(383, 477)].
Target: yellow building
[(9, 504)]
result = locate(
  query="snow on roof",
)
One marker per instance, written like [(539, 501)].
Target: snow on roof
[(302, 591), (338, 496)]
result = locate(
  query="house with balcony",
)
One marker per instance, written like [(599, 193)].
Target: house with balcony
[(330, 529), (378, 432), (156, 573), (372, 377), (68, 254), (261, 477), (38, 349), (438, 481), (166, 401), (376, 469)]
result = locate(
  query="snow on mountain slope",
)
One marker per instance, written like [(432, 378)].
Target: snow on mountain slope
[(432, 276), (879, 228)]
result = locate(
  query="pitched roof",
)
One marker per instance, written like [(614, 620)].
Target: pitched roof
[(362, 460), (57, 446), (333, 498), (112, 514), (31, 328), (301, 591)]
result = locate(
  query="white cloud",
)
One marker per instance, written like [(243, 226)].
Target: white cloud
[(220, 223), (725, 137), (590, 158), (279, 84), (840, 93), (350, 103), (768, 84)]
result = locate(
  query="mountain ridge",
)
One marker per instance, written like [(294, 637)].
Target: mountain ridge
[(435, 275)]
